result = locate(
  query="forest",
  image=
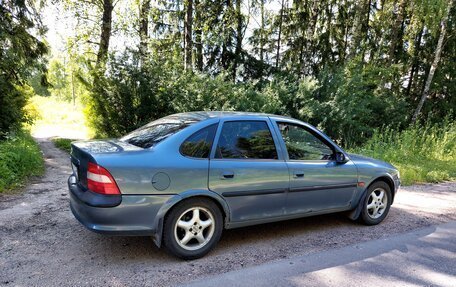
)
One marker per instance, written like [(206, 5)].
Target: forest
[(362, 71)]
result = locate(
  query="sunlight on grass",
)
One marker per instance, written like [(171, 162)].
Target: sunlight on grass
[(422, 154), (20, 158), (63, 144), (57, 118)]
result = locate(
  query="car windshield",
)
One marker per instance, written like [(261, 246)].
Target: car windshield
[(149, 135)]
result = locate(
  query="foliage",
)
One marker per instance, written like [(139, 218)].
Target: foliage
[(20, 157), (21, 54), (348, 67), (63, 144), (421, 153), (346, 103)]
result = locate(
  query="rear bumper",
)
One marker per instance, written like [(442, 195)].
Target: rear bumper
[(122, 215)]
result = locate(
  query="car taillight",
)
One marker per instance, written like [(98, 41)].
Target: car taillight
[(99, 180)]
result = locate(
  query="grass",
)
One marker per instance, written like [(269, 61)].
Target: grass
[(20, 157), (422, 154), (63, 144)]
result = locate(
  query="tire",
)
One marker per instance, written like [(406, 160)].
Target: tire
[(192, 228), (376, 204)]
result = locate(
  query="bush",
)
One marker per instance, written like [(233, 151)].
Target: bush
[(20, 157), (63, 144), (130, 95), (352, 101), (12, 102), (421, 153), (347, 103)]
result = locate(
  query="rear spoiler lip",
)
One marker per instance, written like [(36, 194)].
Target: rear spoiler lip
[(107, 146)]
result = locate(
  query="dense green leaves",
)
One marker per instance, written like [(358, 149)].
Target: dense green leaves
[(348, 66), (21, 54), (20, 157)]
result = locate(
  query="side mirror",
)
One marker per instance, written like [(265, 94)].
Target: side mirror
[(340, 157)]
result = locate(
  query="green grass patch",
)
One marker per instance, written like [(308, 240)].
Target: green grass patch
[(20, 157), (63, 144), (422, 154)]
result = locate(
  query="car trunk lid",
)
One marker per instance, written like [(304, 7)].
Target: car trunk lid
[(85, 152)]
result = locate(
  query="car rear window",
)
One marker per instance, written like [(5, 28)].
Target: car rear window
[(199, 144), (156, 131)]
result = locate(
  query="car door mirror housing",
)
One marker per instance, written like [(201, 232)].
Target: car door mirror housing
[(340, 157)]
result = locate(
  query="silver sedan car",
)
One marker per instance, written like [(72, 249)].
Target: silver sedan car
[(184, 178)]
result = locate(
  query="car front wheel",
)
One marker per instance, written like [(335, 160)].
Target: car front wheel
[(193, 228), (376, 204)]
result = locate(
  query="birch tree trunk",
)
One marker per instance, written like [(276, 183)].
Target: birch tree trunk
[(438, 51)]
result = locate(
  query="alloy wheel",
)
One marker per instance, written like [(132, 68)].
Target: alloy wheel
[(377, 203), (194, 228)]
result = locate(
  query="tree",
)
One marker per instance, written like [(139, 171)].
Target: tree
[(143, 27), (22, 53), (188, 44), (105, 35), (279, 38), (438, 51)]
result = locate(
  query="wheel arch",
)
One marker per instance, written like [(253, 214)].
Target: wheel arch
[(388, 180), (178, 198), (355, 213)]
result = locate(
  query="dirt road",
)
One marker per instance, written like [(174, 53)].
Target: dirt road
[(41, 244)]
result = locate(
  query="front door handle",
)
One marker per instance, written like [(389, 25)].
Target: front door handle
[(298, 174), (227, 174)]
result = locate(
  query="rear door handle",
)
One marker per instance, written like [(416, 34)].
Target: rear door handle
[(298, 174), (227, 174)]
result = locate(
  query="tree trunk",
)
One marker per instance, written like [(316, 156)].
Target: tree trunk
[(198, 36), (143, 27), (414, 62), (438, 51), (396, 28), (73, 95), (106, 27), (262, 33), (361, 29), (227, 37), (279, 36), (365, 28), (188, 45), (238, 49)]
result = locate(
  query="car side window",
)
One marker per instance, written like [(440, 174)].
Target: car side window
[(199, 144), (246, 140), (303, 145)]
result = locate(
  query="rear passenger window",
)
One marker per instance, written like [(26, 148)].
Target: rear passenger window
[(199, 144), (246, 140)]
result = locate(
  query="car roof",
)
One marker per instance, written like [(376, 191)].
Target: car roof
[(204, 115)]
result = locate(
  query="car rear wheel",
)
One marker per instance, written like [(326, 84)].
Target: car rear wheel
[(376, 204), (193, 228)]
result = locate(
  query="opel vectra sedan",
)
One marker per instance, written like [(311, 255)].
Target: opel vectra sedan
[(184, 178)]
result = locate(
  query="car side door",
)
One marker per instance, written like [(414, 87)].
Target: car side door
[(248, 169), (317, 181)]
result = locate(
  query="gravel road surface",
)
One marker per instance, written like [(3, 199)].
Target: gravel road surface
[(41, 244)]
